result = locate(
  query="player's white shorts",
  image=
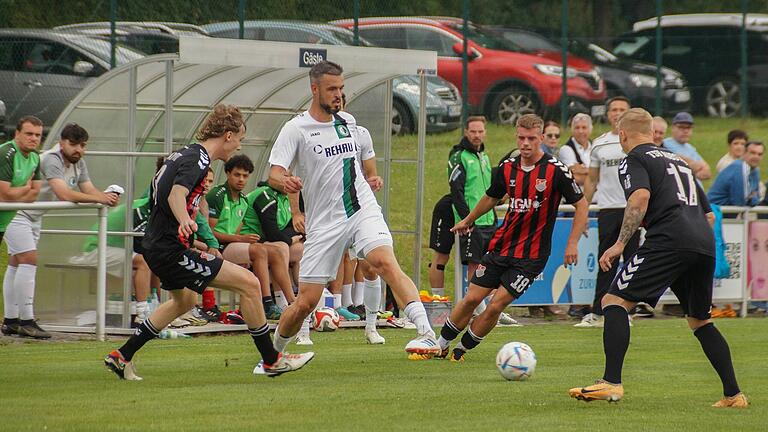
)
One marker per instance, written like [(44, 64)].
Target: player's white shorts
[(363, 232), (22, 235), (115, 259)]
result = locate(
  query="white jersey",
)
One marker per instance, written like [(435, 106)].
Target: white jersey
[(325, 157), (365, 145), (606, 155)]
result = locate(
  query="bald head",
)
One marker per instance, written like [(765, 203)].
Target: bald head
[(635, 127)]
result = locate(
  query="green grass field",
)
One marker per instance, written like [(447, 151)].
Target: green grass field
[(206, 384)]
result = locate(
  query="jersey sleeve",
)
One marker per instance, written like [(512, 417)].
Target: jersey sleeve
[(191, 170), (6, 163), (366, 144), (37, 175), (215, 202), (456, 180), (266, 209), (286, 145), (703, 198), (498, 187), (594, 158), (51, 168), (566, 185), (633, 175), (566, 156), (204, 232)]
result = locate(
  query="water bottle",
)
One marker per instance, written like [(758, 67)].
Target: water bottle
[(152, 302), (173, 334)]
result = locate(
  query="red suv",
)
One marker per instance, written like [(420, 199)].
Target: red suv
[(504, 80)]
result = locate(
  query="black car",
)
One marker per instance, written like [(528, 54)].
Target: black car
[(705, 48), (623, 77)]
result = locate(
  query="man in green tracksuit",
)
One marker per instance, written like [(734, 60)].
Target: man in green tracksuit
[(469, 176)]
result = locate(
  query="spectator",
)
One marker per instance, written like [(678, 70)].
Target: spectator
[(551, 138), (679, 143), (659, 130), (736, 141), (739, 183), (227, 205), (64, 169), (575, 152)]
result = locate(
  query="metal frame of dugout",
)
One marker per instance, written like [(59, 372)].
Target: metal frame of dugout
[(734, 289), (146, 108)]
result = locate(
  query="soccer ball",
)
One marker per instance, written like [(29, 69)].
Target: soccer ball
[(325, 319), (516, 361)]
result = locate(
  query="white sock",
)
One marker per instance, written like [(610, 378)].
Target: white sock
[(443, 342), (280, 342), (10, 299), (336, 301), (346, 295), (371, 299), (438, 291), (358, 292), (142, 310), (305, 325), (416, 313), (24, 285), (280, 300), (480, 307)]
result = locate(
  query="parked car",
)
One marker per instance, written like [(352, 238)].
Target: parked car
[(705, 48), (504, 82), (42, 70), (633, 79), (443, 98)]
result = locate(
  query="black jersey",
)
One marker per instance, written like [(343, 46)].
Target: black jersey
[(186, 167), (675, 219), (534, 197)]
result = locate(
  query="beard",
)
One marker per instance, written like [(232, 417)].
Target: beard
[(329, 109), (72, 158)]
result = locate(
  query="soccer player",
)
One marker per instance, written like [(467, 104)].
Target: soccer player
[(64, 169), (520, 247), (340, 206), (20, 181), (176, 191), (679, 252)]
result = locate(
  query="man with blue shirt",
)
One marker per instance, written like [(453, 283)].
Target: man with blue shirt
[(679, 143), (739, 183)]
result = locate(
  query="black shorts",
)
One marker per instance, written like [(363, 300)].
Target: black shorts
[(515, 274), (475, 245), (2, 233), (649, 273), (440, 237), (184, 269)]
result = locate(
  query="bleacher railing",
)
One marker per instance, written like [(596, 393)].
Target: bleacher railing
[(101, 267)]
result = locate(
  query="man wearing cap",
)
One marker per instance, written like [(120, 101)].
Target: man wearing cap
[(682, 128)]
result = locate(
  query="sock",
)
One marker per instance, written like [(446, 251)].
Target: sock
[(24, 285), (448, 333), (305, 326), (371, 299), (267, 302), (280, 341), (716, 348), (358, 293), (336, 301), (416, 313), (438, 291), (144, 333), (10, 320), (615, 341), (346, 295), (264, 343), (470, 340), (10, 299), (209, 299), (142, 310), (280, 300)]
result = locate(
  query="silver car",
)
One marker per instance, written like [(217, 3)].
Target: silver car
[(41, 71)]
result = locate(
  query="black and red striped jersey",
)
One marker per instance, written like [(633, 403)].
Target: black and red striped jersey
[(534, 196), (186, 167)]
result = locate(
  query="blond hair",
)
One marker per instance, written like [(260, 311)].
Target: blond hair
[(223, 119), (636, 121), (530, 121)]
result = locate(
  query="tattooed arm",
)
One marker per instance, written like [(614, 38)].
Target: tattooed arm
[(637, 205)]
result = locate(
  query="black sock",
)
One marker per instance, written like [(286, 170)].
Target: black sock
[(267, 302), (449, 331), (26, 322), (615, 341), (144, 333), (264, 343), (716, 348), (470, 340), (10, 321)]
